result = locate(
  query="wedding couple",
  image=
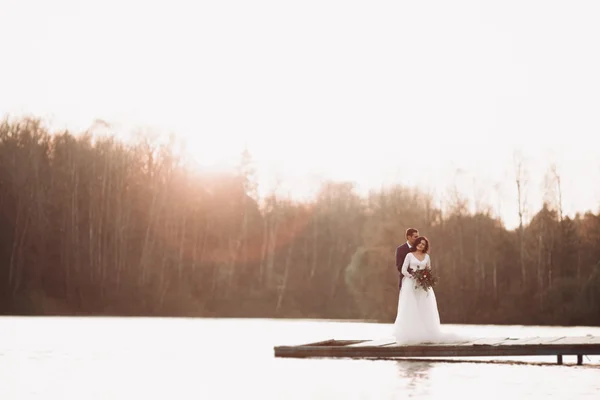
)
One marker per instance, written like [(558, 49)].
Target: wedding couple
[(418, 319)]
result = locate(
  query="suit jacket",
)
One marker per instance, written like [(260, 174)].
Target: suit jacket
[(401, 253)]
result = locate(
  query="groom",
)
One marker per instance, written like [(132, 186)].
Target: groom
[(401, 251)]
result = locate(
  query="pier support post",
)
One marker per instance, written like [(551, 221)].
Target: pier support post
[(579, 359), (559, 359)]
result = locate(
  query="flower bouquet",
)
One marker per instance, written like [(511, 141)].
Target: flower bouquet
[(424, 278)]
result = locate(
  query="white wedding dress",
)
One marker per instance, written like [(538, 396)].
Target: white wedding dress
[(418, 319)]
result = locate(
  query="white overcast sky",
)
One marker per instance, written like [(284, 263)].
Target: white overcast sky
[(377, 92)]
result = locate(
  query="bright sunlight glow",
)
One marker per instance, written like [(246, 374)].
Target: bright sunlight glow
[(431, 94)]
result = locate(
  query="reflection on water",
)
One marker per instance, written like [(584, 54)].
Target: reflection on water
[(158, 358), (414, 371)]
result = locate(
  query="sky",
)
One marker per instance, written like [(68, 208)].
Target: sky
[(431, 94)]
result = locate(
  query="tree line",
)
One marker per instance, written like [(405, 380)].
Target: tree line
[(93, 226)]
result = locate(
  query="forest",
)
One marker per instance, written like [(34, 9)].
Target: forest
[(94, 226)]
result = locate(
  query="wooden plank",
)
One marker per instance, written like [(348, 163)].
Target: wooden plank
[(465, 342), (487, 341), (321, 343), (332, 342), (529, 341), (526, 340), (374, 343), (549, 340), (514, 341), (470, 342), (578, 340), (593, 339), (348, 342)]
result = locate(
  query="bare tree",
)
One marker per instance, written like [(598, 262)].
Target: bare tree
[(521, 182), (553, 189)]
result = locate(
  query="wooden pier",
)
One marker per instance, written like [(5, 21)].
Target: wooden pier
[(484, 347)]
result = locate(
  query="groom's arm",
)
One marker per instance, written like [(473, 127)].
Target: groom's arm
[(401, 253), (400, 256)]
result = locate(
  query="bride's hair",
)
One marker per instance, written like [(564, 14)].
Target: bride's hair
[(419, 240)]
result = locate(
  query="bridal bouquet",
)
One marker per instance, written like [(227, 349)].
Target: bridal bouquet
[(424, 278)]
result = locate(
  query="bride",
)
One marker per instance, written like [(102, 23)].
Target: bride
[(418, 319)]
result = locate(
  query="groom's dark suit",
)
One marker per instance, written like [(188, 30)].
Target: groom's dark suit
[(401, 252)]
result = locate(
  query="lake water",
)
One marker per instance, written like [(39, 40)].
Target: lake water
[(171, 358)]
